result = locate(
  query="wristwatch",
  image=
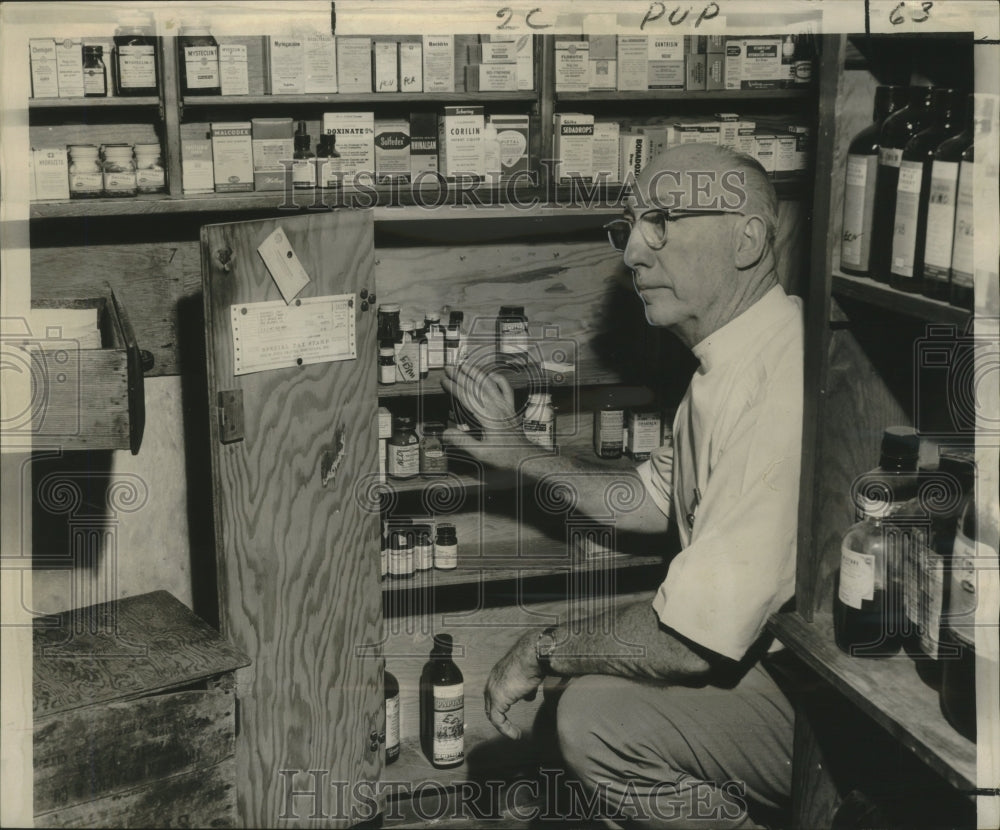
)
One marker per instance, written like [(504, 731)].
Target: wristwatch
[(545, 645)]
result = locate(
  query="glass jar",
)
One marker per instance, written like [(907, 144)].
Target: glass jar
[(539, 422), (401, 555), (119, 170), (150, 177), (388, 322), (86, 176), (135, 61), (433, 460), (404, 449), (446, 547), (95, 73), (198, 60), (609, 429), (386, 364), (423, 548)]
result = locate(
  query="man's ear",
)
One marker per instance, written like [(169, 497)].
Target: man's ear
[(750, 242)]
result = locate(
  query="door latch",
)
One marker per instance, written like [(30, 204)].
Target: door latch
[(230, 415)]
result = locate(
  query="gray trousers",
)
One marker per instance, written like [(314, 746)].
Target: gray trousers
[(656, 755)]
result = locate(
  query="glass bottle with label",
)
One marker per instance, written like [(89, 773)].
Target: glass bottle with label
[(86, 175), (442, 707), (859, 189), (941, 201), (433, 459), (198, 61), (95, 73), (401, 563), (391, 687), (512, 331), (446, 547), (136, 59), (386, 363), (388, 322), (609, 428), (328, 165), (423, 548), (539, 421), (897, 130), (150, 177), (805, 55), (303, 164), (913, 190), (404, 449)]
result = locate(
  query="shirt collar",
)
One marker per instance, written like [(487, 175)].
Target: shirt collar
[(732, 339)]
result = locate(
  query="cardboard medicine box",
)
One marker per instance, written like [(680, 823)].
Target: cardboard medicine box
[(411, 66), (69, 68), (513, 136), (273, 143), (385, 66), (232, 156), (392, 150), (355, 133), (354, 64), (234, 75), (460, 143), (439, 63), (321, 62), (287, 60), (423, 144), (44, 71)]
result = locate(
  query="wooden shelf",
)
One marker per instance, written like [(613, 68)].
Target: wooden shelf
[(686, 95), (912, 305), (86, 103), (352, 98), (582, 375), (889, 691)]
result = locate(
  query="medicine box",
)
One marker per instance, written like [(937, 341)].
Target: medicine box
[(461, 152), (411, 66), (574, 146), (665, 63), (762, 67), (694, 72), (385, 66), (645, 433), (232, 156), (273, 143), (439, 63), (635, 153), (633, 55), (197, 170), (423, 144), (287, 62), (258, 80), (733, 69), (321, 62), (603, 62), (513, 136), (765, 153), (234, 76), (392, 150), (354, 64), (355, 133), (491, 77), (493, 52), (729, 124), (606, 161), (69, 68), (44, 72), (572, 65), (51, 173)]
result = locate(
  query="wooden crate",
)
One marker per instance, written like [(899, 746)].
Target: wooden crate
[(84, 396), (135, 717)]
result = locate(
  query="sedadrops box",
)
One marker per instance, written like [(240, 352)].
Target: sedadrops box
[(273, 142), (355, 133), (461, 150), (232, 156), (392, 150), (574, 146)]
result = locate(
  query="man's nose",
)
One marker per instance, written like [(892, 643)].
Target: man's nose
[(634, 249)]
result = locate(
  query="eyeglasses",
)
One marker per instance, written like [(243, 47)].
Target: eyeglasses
[(653, 225)]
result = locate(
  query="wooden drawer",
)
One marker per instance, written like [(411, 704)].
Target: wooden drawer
[(135, 717), (87, 395)]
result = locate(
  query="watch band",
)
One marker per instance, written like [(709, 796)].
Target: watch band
[(545, 645)]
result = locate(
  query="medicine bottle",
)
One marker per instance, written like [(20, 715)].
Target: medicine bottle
[(404, 449), (86, 175), (136, 68), (386, 363), (150, 177), (446, 547), (512, 331), (329, 168), (423, 352), (388, 322), (391, 688), (442, 707), (198, 60), (539, 421), (423, 548), (433, 460), (304, 164), (435, 340), (401, 554), (609, 428), (451, 346), (119, 170), (95, 74)]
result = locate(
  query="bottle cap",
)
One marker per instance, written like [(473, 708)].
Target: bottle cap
[(964, 469), (408, 325), (433, 427), (443, 643), (512, 311), (900, 442), (386, 351), (93, 49), (388, 308)]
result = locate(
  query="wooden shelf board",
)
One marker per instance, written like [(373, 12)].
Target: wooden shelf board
[(884, 296), (685, 95), (888, 690), (583, 375), (85, 103), (335, 98)]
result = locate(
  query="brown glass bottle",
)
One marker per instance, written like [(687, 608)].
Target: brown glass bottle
[(391, 686), (941, 203), (859, 190), (906, 270), (897, 130), (442, 707)]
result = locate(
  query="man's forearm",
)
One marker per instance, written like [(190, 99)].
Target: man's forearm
[(627, 642)]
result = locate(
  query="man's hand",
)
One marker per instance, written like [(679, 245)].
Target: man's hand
[(515, 677)]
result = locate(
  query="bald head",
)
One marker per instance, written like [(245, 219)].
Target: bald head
[(708, 176)]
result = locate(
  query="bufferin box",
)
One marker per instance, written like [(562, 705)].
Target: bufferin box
[(273, 143), (321, 63), (69, 68), (491, 77), (44, 72), (355, 133), (232, 156), (287, 60), (439, 63), (574, 146), (633, 55), (572, 65), (460, 143), (385, 66), (423, 143), (513, 136), (354, 64), (392, 150), (411, 66), (234, 75)]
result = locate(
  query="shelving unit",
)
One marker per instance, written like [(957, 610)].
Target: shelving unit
[(900, 302)]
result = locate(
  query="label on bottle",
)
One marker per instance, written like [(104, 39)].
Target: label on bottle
[(931, 601), (85, 183), (95, 81), (962, 252), (513, 337), (401, 561), (328, 172), (538, 424), (889, 156), (435, 349), (961, 618), (445, 556), (859, 200), (201, 66), (120, 182), (609, 430), (940, 220), (449, 724), (392, 726), (137, 66), (404, 460), (423, 557), (857, 577), (904, 232), (304, 173), (150, 179)]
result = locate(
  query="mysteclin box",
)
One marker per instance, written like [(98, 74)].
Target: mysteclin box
[(232, 156)]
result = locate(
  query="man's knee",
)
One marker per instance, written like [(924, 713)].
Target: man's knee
[(582, 728)]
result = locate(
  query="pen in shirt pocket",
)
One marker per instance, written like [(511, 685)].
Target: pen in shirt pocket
[(695, 501)]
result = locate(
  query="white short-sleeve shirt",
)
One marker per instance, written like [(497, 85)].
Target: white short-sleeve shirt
[(731, 481)]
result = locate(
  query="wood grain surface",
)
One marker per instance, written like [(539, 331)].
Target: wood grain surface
[(121, 650), (298, 561), (98, 751)]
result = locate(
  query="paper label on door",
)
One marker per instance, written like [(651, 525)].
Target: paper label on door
[(273, 335), (283, 265)]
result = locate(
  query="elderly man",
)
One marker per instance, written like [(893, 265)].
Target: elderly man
[(690, 730)]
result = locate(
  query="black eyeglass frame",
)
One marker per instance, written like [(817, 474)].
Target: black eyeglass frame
[(670, 215)]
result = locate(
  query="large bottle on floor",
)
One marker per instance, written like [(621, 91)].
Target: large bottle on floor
[(442, 707)]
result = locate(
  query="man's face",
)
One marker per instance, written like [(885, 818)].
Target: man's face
[(685, 279)]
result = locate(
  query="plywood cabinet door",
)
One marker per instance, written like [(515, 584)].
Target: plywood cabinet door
[(294, 466)]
